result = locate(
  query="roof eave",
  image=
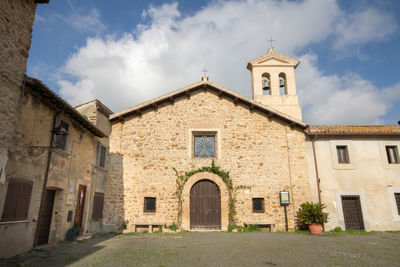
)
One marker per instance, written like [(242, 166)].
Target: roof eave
[(57, 102)]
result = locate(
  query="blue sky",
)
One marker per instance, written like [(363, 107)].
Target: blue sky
[(127, 52)]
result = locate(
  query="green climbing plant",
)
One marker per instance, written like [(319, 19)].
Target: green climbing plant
[(183, 178)]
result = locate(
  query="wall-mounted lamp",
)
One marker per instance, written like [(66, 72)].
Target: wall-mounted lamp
[(58, 134)]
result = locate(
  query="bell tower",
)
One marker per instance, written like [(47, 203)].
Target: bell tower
[(274, 83)]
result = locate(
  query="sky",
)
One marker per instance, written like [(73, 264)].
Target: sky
[(127, 52)]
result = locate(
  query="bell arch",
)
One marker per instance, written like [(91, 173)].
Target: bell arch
[(266, 83), (224, 193), (282, 84)]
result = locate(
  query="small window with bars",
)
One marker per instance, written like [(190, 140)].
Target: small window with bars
[(258, 205), (101, 155), (343, 154), (397, 197), (204, 145), (392, 154), (149, 204)]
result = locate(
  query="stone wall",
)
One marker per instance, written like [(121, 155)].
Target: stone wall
[(16, 20), (254, 149), (91, 111)]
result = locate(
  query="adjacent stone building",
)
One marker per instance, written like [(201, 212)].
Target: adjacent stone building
[(16, 22), (48, 182), (67, 171)]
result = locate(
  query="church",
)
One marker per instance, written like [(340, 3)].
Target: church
[(202, 157), (260, 142)]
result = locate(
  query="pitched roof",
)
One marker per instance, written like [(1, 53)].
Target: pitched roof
[(99, 105), (353, 130), (286, 60), (51, 99), (205, 84)]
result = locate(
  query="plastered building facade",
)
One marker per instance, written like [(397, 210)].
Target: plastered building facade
[(368, 180)]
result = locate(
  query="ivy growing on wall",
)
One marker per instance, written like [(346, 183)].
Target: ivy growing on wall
[(182, 179)]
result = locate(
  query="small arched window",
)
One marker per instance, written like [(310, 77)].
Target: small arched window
[(282, 84), (266, 84)]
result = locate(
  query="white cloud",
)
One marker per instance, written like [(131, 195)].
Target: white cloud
[(362, 27), (82, 20), (168, 53), (348, 99)]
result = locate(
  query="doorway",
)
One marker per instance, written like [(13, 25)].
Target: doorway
[(205, 206), (45, 216), (80, 205), (352, 212)]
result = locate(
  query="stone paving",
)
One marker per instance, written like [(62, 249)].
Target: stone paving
[(220, 249)]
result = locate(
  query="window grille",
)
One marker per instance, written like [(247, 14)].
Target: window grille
[(204, 146), (149, 204), (258, 205), (397, 197), (343, 154), (392, 154)]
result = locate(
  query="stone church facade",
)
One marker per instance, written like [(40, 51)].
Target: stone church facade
[(263, 150)]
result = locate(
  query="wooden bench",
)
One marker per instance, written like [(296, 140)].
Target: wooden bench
[(150, 226), (269, 225)]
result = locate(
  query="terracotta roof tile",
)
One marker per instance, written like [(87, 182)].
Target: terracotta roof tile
[(353, 130)]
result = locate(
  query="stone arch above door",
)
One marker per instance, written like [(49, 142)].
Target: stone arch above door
[(224, 198)]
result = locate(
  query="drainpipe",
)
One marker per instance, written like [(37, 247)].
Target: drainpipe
[(46, 175), (316, 168), (316, 174)]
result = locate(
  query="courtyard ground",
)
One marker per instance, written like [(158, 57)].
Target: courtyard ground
[(220, 249)]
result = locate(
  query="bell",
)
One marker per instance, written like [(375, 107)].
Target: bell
[(266, 85), (281, 83)]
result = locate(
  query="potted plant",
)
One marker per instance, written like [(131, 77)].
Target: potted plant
[(311, 214)]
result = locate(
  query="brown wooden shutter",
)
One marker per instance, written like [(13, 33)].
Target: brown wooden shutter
[(98, 203), (16, 206)]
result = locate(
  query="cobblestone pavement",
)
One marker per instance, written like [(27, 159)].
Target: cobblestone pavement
[(220, 249)]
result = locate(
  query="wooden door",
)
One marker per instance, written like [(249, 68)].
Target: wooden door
[(205, 206), (352, 212), (45, 218), (80, 205)]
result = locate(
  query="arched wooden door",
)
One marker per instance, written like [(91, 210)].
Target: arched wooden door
[(205, 206)]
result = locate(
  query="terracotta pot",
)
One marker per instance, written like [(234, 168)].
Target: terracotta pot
[(315, 228)]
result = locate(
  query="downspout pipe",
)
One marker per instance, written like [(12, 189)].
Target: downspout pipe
[(46, 176), (316, 168), (316, 173)]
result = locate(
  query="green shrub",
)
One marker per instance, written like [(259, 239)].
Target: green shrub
[(173, 227), (336, 230), (312, 213), (159, 230)]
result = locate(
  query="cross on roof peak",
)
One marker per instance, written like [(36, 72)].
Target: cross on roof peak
[(204, 71), (270, 41)]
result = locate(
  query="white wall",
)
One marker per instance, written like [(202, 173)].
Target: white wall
[(368, 175)]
